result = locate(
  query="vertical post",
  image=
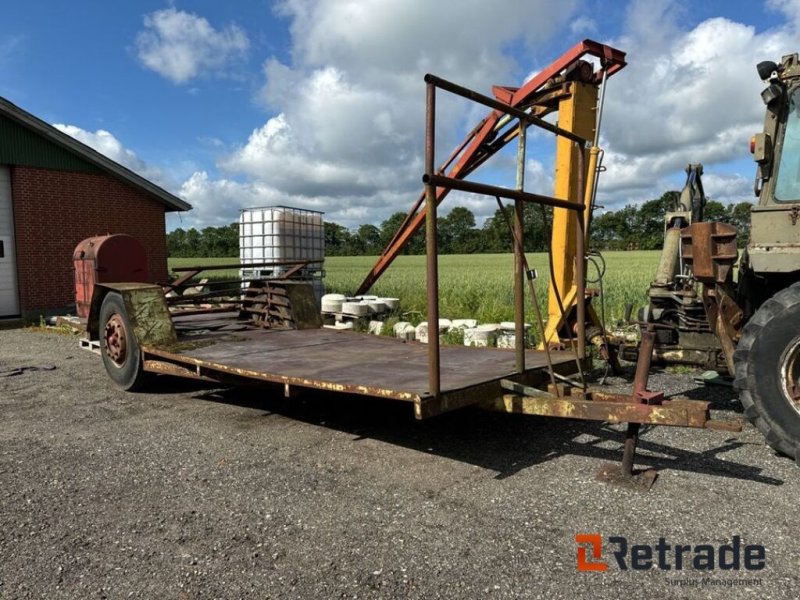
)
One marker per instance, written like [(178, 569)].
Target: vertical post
[(431, 250), (580, 260), (590, 189), (519, 256), (629, 448), (639, 385), (643, 363)]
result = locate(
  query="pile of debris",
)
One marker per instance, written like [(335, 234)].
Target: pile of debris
[(371, 313), (500, 335), (358, 312)]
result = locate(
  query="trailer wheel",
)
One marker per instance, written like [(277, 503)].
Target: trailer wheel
[(118, 346), (767, 362)]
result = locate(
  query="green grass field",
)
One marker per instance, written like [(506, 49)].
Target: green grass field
[(478, 286)]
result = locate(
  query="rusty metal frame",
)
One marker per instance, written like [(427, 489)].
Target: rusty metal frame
[(173, 360), (165, 354), (221, 295), (270, 263), (147, 311), (610, 408), (483, 142), (190, 273), (640, 407), (435, 184)]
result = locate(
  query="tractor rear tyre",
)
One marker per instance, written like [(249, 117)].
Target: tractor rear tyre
[(767, 362), (119, 348)]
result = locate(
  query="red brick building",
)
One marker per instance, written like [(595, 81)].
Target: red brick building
[(55, 192)]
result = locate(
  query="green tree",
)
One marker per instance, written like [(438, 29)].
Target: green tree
[(739, 217), (176, 243), (649, 226), (457, 232), (369, 239), (496, 235), (221, 241), (389, 227), (715, 211), (632, 226), (616, 230), (604, 230), (194, 246), (536, 234), (337, 239)]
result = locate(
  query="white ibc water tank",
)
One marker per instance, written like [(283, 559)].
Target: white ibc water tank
[(279, 233), (282, 233)]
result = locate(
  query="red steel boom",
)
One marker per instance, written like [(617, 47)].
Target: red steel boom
[(482, 142)]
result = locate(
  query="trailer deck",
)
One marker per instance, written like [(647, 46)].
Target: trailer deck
[(272, 330), (211, 346)]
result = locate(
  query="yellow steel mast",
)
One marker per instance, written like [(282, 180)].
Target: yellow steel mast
[(577, 113)]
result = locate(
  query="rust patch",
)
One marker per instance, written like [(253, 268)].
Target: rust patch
[(675, 413)]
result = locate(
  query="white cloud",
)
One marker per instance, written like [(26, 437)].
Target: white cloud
[(583, 25), (218, 202), (790, 8), (686, 96), (398, 38), (105, 143), (347, 131), (180, 45), (727, 188)]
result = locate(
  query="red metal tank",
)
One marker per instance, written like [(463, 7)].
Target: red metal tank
[(106, 259)]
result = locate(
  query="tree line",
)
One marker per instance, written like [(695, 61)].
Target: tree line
[(642, 227), (632, 227), (208, 242)]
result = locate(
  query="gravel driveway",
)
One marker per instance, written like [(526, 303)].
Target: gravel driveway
[(198, 492)]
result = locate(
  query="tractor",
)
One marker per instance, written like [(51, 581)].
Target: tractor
[(745, 321)]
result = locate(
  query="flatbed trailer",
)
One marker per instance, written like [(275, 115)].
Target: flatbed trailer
[(271, 333), (140, 336), (223, 346)]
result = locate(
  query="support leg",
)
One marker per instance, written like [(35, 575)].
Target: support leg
[(623, 473)]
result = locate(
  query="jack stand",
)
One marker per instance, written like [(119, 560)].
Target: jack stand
[(642, 407), (623, 473)]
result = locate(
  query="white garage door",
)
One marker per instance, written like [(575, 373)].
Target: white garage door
[(9, 297)]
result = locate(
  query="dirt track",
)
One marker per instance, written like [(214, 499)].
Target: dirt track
[(195, 492)]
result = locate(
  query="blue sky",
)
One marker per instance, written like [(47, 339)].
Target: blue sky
[(319, 103)]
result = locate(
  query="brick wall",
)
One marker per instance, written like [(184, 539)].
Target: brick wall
[(54, 210)]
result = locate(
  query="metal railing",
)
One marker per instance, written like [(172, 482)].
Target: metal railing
[(434, 181)]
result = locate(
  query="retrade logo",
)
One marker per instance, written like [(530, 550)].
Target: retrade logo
[(593, 541), (666, 556)]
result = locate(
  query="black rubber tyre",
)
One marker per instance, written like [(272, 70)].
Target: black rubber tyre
[(767, 363), (122, 357)]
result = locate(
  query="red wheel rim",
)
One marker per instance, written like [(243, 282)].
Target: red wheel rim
[(116, 341)]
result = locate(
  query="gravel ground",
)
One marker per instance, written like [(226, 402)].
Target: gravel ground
[(197, 492)]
